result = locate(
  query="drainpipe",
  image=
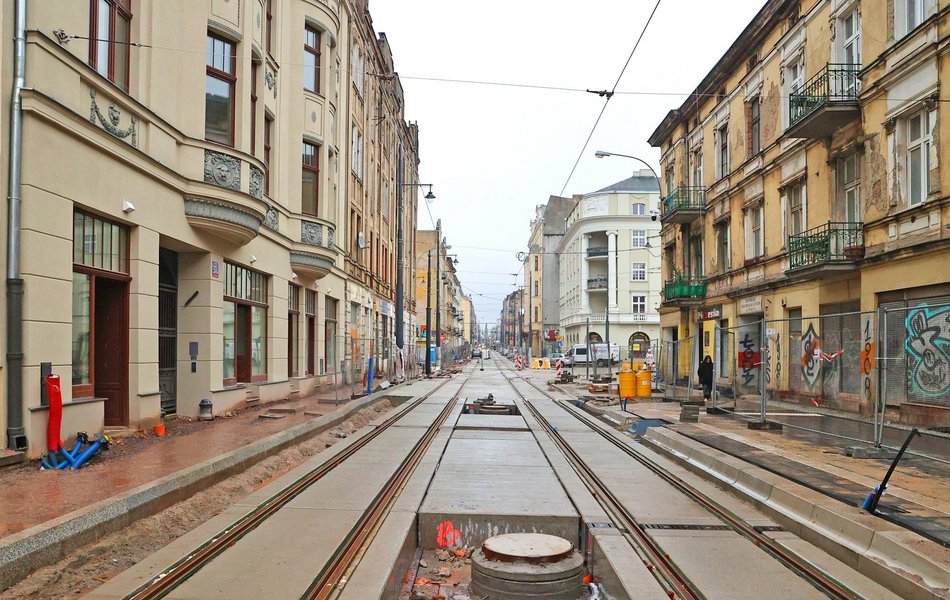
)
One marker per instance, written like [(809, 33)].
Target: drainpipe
[(16, 435)]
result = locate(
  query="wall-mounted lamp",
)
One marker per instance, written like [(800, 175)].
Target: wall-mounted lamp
[(253, 259), (128, 207)]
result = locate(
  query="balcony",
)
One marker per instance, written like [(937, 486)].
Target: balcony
[(825, 250), (684, 205), (828, 101), (683, 291), (597, 284), (599, 252)]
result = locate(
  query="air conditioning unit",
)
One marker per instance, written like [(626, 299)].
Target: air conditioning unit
[(361, 240)]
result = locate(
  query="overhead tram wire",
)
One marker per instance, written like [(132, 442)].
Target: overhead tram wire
[(609, 95)]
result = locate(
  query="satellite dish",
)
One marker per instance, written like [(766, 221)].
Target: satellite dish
[(361, 240)]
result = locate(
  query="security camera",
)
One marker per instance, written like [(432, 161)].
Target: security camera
[(653, 217)]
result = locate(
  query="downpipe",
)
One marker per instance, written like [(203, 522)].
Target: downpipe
[(16, 434)]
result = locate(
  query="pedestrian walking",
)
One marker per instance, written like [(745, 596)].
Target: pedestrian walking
[(623, 402), (705, 373)]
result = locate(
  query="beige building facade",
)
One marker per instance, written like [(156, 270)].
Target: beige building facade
[(184, 230), (610, 268), (805, 212)]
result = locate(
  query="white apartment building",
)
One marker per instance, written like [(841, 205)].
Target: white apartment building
[(609, 263)]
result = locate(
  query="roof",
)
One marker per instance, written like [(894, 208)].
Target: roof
[(637, 183)]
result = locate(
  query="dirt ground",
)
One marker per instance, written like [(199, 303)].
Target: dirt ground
[(93, 565)]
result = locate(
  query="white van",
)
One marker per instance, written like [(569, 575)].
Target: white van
[(577, 354)]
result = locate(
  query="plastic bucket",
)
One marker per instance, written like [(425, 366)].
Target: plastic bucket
[(159, 430), (628, 384), (644, 384)]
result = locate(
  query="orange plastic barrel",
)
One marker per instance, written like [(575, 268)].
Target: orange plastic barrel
[(628, 383), (644, 384)]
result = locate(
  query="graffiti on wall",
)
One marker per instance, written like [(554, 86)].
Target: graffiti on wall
[(928, 344), (867, 356), (748, 359), (811, 356)]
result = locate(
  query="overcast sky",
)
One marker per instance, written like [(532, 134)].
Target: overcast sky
[(493, 153)]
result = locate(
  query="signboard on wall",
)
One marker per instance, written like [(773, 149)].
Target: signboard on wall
[(709, 313), (750, 305), (215, 269)]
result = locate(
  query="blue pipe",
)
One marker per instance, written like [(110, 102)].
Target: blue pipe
[(69, 456), (369, 378), (93, 449)]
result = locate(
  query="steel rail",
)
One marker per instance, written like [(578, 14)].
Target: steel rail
[(801, 567), (668, 574), (332, 578), (180, 571)]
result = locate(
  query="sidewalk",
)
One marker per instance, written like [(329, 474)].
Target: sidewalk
[(30, 497)]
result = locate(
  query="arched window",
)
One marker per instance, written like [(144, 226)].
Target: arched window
[(638, 344)]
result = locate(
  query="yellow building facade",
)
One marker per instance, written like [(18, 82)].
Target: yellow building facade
[(805, 211)]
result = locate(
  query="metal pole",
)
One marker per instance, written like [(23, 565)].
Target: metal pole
[(610, 374), (400, 248), (587, 362), (16, 434), (438, 289), (429, 316), (716, 361), (882, 387), (763, 357)]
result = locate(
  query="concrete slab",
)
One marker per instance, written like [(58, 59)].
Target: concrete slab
[(482, 501), (291, 562), (501, 453), (381, 571), (724, 565), (492, 434), (621, 571), (511, 422)]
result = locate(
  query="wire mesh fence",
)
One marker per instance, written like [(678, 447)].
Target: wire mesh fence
[(845, 374)]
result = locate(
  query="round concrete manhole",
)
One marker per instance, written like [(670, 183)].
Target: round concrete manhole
[(522, 566)]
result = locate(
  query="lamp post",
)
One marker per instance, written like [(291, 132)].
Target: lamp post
[(429, 315), (602, 154), (400, 250)]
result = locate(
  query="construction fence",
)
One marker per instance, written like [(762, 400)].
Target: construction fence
[(870, 364)]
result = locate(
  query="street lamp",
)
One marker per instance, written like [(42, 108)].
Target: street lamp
[(602, 154), (400, 250)]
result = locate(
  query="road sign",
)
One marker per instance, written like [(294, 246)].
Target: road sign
[(559, 344)]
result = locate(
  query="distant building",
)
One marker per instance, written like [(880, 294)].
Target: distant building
[(609, 264)]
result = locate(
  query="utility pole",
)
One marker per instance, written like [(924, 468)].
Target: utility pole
[(429, 315), (400, 248)]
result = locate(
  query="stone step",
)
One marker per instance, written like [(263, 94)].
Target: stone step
[(272, 416)]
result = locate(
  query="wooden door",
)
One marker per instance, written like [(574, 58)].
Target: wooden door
[(311, 344), (242, 343), (111, 355)]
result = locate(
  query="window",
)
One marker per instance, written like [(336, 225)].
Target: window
[(534, 289), (913, 13), (849, 28), (219, 91), (638, 304), (311, 59), (309, 199), (695, 266), (293, 329), (755, 142), (698, 167), (269, 26), (329, 332), (268, 140), (639, 209), (849, 187), (722, 151), (723, 257), (536, 257), (670, 179), (639, 238), (753, 228), (638, 271), (918, 157), (356, 157), (795, 196), (254, 69), (357, 68), (245, 325), (794, 80), (109, 26)]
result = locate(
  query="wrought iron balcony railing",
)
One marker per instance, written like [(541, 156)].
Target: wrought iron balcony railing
[(685, 198), (596, 252), (835, 83), (833, 242), (597, 283), (684, 287)]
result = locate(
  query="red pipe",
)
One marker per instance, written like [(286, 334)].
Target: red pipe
[(55, 392)]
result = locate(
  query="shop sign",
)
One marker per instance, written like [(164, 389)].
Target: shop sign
[(215, 269), (386, 308), (750, 305), (710, 313)]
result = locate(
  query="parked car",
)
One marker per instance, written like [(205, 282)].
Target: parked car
[(477, 353)]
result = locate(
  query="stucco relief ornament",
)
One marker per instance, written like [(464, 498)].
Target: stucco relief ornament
[(270, 78), (329, 238), (111, 123), (271, 218), (311, 233), (256, 183), (222, 170)]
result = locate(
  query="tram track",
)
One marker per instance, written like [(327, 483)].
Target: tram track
[(674, 581), (332, 577)]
